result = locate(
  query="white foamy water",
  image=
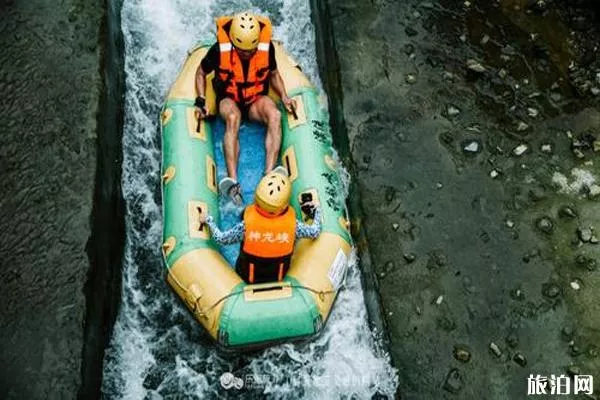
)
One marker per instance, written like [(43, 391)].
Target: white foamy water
[(157, 350), (580, 179)]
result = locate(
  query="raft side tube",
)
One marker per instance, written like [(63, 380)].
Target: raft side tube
[(196, 270), (284, 311)]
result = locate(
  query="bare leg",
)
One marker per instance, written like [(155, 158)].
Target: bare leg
[(231, 145), (264, 110)]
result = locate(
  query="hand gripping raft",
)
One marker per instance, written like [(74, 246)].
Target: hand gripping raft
[(236, 314)]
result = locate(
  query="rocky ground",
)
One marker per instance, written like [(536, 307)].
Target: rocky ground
[(50, 82), (474, 129)]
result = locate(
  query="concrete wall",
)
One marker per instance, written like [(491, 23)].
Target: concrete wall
[(59, 134)]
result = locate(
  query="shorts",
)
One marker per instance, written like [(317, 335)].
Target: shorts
[(260, 270)]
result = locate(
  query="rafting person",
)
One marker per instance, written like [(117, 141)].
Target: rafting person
[(244, 63), (268, 231)]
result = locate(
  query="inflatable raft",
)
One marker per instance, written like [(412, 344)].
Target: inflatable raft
[(239, 315)]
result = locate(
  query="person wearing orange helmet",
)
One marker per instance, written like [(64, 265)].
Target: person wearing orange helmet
[(244, 63), (268, 231)]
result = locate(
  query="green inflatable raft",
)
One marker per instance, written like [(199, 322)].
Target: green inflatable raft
[(239, 315)]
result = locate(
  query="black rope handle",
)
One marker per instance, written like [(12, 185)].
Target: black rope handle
[(202, 224), (294, 113), (320, 293)]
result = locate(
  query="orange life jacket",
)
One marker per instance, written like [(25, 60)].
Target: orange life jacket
[(230, 74), (269, 236)]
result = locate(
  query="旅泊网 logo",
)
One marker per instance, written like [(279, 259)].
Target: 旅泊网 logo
[(560, 385)]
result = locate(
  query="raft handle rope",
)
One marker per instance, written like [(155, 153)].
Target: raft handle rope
[(294, 113), (203, 313), (200, 102)]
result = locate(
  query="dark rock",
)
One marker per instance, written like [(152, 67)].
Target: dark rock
[(585, 234), (567, 333), (410, 31), (452, 111), (556, 97), (471, 147), (509, 50), (531, 255), (495, 349), (448, 76), (522, 126), (584, 141), (551, 290), (411, 78), (545, 225), (462, 353), (389, 266), (539, 6), (544, 308), (446, 138), (586, 262), (592, 191), (518, 294), (409, 257), (409, 49), (576, 350), (573, 370), (520, 150), (484, 236), (520, 359), (512, 340), (437, 259), (537, 194), (567, 212), (468, 285), (446, 323), (546, 148), (454, 381), (390, 194), (475, 66), (578, 153)]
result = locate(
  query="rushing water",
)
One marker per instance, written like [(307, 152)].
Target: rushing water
[(157, 349)]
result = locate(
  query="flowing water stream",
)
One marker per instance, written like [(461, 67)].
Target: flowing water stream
[(158, 351)]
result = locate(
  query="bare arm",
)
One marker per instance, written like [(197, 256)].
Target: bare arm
[(200, 89), (279, 88), (277, 84), (200, 81)]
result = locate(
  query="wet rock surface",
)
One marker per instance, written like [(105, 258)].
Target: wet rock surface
[(50, 85), (500, 111)]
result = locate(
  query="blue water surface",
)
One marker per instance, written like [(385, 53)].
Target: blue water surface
[(250, 169)]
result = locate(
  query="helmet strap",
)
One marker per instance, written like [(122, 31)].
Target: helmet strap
[(267, 214)]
